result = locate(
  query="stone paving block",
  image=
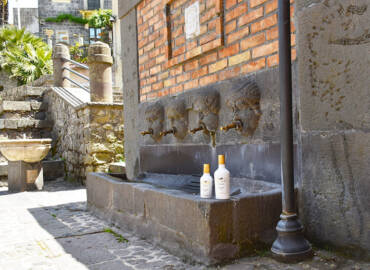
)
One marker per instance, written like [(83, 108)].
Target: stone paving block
[(24, 106)]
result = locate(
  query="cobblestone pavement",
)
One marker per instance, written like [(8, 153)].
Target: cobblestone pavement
[(52, 230)]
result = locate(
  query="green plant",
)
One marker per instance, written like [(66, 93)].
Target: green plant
[(101, 19), (77, 53), (119, 238), (63, 17), (23, 55)]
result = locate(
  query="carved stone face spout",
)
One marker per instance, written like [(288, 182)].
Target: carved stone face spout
[(206, 107), (154, 116), (177, 120), (245, 105)]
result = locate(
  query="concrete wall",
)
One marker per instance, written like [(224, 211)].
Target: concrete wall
[(333, 57)]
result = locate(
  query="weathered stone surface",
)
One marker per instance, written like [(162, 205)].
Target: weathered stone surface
[(335, 203), (117, 167), (88, 136), (15, 106), (206, 231), (333, 68), (334, 65)]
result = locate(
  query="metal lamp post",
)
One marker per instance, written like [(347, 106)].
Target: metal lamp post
[(290, 245)]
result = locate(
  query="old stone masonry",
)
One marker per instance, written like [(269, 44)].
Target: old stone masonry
[(52, 230)]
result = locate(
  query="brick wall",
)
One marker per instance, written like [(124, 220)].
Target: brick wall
[(236, 37)]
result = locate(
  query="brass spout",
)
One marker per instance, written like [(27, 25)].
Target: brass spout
[(236, 124), (170, 131), (147, 132), (195, 130)]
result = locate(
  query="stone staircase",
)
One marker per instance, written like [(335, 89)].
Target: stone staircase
[(23, 115)]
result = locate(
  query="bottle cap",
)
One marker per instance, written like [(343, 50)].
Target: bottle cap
[(221, 159), (206, 168)]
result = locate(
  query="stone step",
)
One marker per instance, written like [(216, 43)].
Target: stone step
[(22, 109), (35, 92), (53, 169), (24, 123)]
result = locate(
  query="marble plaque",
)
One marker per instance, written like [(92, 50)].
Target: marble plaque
[(192, 24)]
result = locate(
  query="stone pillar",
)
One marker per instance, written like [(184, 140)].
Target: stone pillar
[(24, 176), (61, 51), (100, 67)]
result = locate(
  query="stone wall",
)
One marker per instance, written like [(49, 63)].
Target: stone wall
[(333, 57), (6, 82), (88, 137), (49, 8)]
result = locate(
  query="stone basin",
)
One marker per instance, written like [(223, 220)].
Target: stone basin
[(27, 150), (167, 210), (25, 170)]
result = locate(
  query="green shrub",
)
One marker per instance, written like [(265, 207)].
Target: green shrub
[(23, 55), (63, 17)]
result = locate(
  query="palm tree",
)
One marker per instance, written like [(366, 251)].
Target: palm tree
[(23, 55)]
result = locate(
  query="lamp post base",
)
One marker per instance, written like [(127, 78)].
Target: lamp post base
[(290, 245)]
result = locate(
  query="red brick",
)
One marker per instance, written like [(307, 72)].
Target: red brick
[(238, 35), (253, 41), (230, 3), (254, 66), (169, 82), (272, 33), (265, 49), (157, 86), (200, 72), (236, 12), (178, 51), (264, 24), (254, 3), (190, 85), (218, 66), (155, 70), (207, 38), (231, 26), (272, 6), (176, 89), (273, 60), (183, 77), (176, 71), (208, 59), (208, 80), (191, 65), (250, 16), (228, 51), (230, 73)]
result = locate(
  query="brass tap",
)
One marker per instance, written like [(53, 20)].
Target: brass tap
[(238, 125), (195, 130), (147, 132), (170, 131)]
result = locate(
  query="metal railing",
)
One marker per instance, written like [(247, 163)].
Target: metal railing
[(76, 73)]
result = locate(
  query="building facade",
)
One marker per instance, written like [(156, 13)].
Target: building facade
[(175, 50), (32, 15)]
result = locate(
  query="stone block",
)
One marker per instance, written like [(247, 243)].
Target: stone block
[(334, 196), (208, 231)]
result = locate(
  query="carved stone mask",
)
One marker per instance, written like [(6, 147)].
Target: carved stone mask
[(245, 105), (207, 105), (154, 116), (177, 117)]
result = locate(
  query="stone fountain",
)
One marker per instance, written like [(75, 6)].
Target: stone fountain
[(24, 159)]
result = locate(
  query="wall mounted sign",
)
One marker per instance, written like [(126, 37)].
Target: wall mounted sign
[(192, 25), (61, 1), (62, 36)]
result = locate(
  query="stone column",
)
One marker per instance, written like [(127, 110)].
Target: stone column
[(100, 67), (61, 51)]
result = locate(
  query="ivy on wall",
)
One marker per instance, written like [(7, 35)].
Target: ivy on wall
[(69, 17), (99, 19)]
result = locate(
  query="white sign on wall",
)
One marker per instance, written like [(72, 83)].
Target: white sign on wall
[(192, 24), (62, 36)]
